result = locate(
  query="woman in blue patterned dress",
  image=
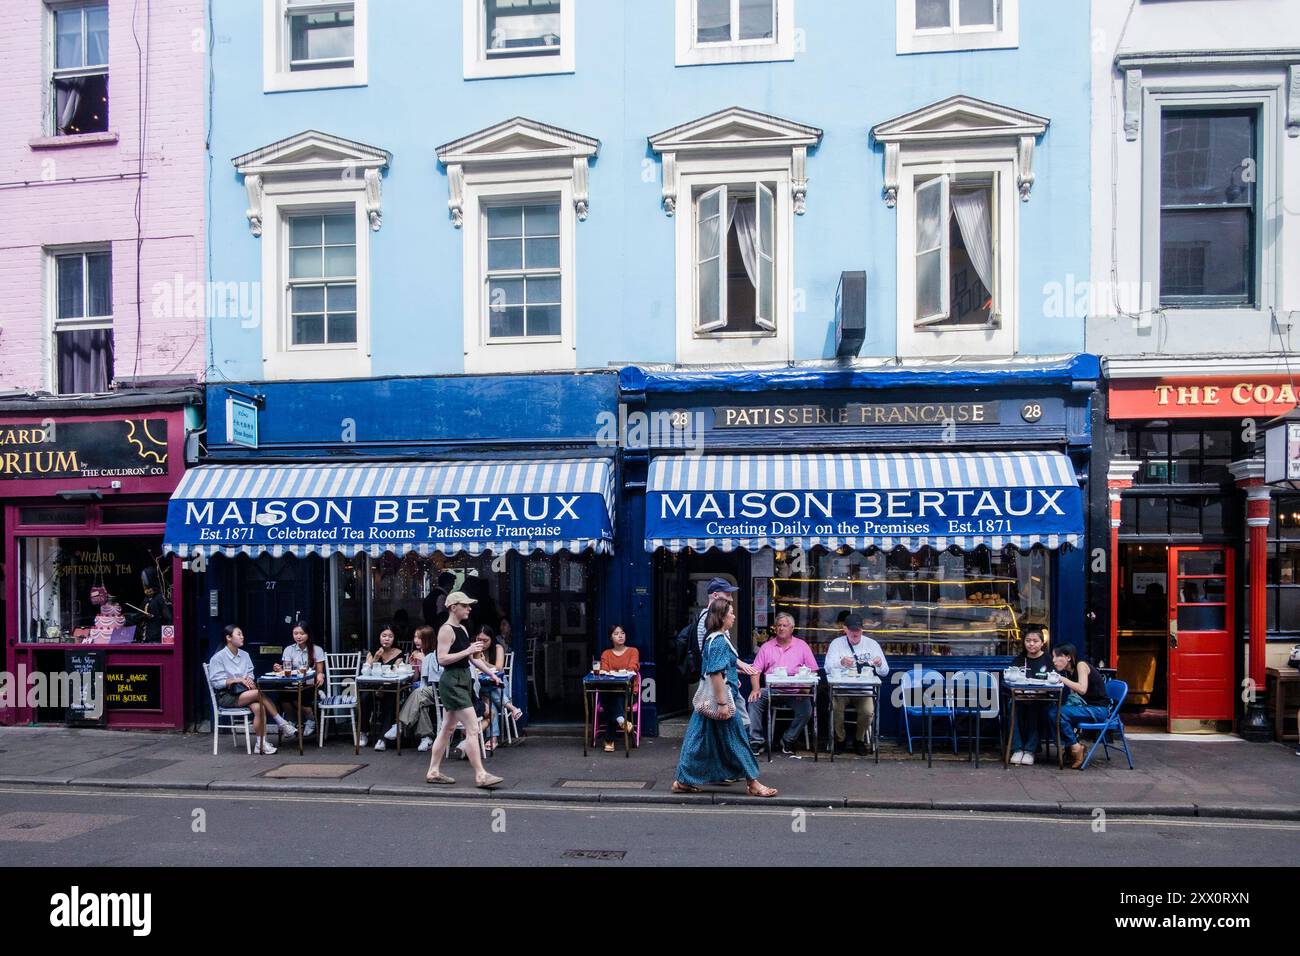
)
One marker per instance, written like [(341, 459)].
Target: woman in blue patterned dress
[(717, 749)]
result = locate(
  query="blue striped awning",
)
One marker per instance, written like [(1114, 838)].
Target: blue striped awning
[(962, 499), (426, 507)]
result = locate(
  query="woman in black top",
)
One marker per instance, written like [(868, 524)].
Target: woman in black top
[(383, 712), (456, 691), (1031, 716), (1086, 702)]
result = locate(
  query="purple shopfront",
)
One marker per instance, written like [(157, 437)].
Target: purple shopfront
[(86, 584)]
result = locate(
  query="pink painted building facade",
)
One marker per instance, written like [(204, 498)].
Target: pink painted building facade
[(102, 187)]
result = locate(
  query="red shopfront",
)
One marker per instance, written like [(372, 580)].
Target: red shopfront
[(1190, 519), (86, 584)]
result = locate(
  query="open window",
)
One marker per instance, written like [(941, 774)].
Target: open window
[(79, 80), (83, 321), (956, 252), (735, 266)]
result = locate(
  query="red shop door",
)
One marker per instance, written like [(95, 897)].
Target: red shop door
[(1200, 633)]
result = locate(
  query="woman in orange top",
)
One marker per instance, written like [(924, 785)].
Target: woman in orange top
[(618, 657)]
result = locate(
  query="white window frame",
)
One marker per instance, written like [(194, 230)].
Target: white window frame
[(485, 330), (719, 330), (689, 52), (276, 75), (53, 324), (477, 65), (697, 175), (1265, 99), (528, 353), (943, 339), (908, 39), (49, 124), (281, 359)]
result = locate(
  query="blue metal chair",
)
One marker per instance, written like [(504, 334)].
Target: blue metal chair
[(936, 704), (1116, 690), (975, 695)]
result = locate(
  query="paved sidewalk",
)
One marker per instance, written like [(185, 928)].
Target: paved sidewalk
[(1185, 776)]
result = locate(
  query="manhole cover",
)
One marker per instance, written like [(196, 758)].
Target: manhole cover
[(25, 826), (607, 784), (314, 771), (594, 854)]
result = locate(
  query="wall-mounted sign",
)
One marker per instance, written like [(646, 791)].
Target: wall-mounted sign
[(112, 448), (241, 422), (138, 687), (1264, 395), (855, 415)]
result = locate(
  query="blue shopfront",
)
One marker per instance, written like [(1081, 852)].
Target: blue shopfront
[(350, 505), (945, 503)]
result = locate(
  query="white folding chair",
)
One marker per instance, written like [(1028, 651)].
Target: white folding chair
[(531, 666), (231, 714), (339, 702)]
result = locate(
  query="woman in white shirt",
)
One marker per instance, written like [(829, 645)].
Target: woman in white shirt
[(231, 673), (304, 656)]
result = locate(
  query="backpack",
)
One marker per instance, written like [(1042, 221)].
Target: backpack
[(687, 652)]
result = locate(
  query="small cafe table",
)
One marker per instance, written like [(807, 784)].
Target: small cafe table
[(848, 684), (608, 682), (792, 687), (1031, 691), (383, 684), (278, 683)]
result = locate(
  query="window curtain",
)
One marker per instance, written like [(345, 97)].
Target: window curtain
[(974, 218), (69, 100), (742, 215), (85, 361)]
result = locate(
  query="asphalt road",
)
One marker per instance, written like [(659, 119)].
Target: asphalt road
[(93, 827)]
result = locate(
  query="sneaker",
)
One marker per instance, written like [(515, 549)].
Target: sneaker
[(786, 749), (380, 745), (1027, 759), (622, 723), (609, 746), (365, 741), (391, 733), (426, 743), (263, 746), (1018, 757), (860, 748), (756, 747), (287, 729), (309, 728)]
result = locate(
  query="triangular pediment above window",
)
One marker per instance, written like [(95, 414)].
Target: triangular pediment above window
[(517, 139), (959, 118), (311, 151), (736, 128)]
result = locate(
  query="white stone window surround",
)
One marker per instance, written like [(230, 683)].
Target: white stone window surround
[(1194, 93), (741, 147), (960, 136), (276, 75), (476, 65), (310, 172), (909, 40), (691, 53), (524, 160)]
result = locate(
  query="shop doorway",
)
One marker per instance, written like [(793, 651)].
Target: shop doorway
[(271, 600), (1143, 632), (1201, 673)]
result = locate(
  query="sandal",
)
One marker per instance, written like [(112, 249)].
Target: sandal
[(679, 787), (609, 746), (438, 777), (756, 789)]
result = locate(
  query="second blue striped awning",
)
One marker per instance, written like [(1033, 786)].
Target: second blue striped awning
[(962, 499), (426, 507)]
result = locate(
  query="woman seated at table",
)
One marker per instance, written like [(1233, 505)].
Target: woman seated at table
[(1031, 715), (493, 662), (618, 657), (418, 710), (383, 710), (308, 658), (231, 673), (1087, 701)]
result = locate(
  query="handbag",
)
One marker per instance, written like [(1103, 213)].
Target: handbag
[(704, 703)]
